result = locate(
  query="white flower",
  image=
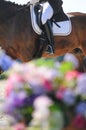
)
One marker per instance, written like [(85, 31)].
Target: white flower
[(42, 102)]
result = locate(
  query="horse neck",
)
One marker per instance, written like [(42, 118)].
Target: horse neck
[(13, 14), (7, 9), (16, 31)]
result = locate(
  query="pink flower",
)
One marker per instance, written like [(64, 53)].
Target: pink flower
[(11, 83), (60, 93), (71, 74), (48, 85), (79, 122), (20, 126)]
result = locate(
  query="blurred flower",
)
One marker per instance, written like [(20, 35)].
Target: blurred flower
[(5, 61), (12, 82), (20, 126), (81, 108), (69, 57), (69, 97), (79, 122), (41, 108), (60, 93), (81, 86), (70, 75), (42, 101), (41, 92)]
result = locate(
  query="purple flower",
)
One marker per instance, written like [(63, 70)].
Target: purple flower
[(6, 62), (28, 101), (69, 97), (81, 108), (81, 85), (38, 89), (18, 98)]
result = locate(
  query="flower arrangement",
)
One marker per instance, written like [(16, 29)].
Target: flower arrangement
[(40, 94)]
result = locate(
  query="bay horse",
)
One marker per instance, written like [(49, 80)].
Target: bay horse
[(19, 40)]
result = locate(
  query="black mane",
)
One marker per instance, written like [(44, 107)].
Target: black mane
[(7, 9)]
